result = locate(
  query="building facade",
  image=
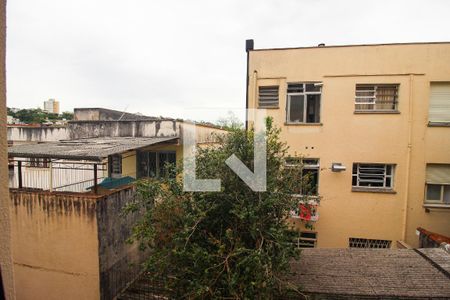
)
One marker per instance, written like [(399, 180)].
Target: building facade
[(372, 123), (51, 106), (68, 189)]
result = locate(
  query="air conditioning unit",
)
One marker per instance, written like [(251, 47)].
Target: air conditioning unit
[(337, 167)]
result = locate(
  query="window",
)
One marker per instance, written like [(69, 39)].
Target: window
[(307, 239), (382, 97), (373, 175), (153, 164), (303, 103), (309, 174), (115, 166), (439, 109), (438, 184), (39, 163), (368, 243), (268, 97)]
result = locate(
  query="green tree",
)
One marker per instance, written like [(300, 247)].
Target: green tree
[(233, 244), (67, 115), (31, 115), (231, 121)]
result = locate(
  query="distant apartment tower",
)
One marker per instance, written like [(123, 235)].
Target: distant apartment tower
[(51, 106)]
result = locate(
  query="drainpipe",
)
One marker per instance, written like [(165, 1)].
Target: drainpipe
[(249, 45), (408, 156)]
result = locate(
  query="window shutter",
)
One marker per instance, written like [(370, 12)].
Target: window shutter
[(438, 174), (439, 109), (268, 96)]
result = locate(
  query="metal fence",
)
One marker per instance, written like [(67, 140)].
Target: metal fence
[(56, 175)]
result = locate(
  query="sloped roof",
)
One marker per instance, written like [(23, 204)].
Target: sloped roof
[(85, 149), (373, 273)]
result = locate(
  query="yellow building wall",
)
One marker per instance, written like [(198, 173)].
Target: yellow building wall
[(129, 164), (402, 139), (54, 246)]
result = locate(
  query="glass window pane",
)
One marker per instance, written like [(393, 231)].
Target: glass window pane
[(447, 194), (296, 108), (313, 109), (311, 87), (434, 192)]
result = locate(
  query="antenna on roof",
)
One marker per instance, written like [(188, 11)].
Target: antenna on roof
[(124, 112)]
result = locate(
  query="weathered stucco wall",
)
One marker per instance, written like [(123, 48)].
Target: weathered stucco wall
[(6, 267), (37, 134), (119, 261), (54, 245), (96, 114), (84, 129)]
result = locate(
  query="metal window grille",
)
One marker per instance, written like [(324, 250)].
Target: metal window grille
[(268, 96), (373, 175), (307, 239), (38, 163), (376, 97), (368, 243), (303, 103)]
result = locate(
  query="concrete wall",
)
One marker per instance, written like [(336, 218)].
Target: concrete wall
[(72, 245), (84, 129), (55, 245), (103, 114), (119, 261), (6, 267), (403, 139), (37, 134)]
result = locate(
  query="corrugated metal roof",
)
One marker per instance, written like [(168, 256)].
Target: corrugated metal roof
[(85, 149), (372, 273)]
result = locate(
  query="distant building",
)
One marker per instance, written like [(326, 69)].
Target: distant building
[(51, 106), (12, 120)]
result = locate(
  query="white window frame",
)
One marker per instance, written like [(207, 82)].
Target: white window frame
[(385, 176), (305, 104), (374, 97), (308, 167), (441, 199)]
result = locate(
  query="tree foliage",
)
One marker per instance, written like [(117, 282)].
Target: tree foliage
[(235, 243), (38, 116)]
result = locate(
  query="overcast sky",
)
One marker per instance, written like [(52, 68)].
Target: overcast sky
[(171, 58)]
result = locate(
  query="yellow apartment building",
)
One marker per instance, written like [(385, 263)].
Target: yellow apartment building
[(381, 115)]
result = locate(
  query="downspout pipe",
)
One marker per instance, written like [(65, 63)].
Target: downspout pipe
[(249, 46), (408, 156)]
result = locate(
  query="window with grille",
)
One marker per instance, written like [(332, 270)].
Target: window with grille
[(303, 103), (368, 243), (307, 239), (373, 175), (268, 97), (38, 163), (371, 97), (115, 166), (438, 184), (309, 169)]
